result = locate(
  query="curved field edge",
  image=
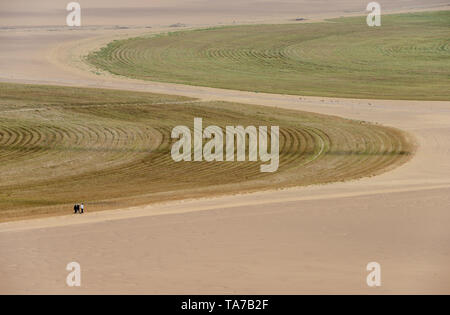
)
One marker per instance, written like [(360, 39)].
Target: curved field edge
[(111, 149), (406, 58)]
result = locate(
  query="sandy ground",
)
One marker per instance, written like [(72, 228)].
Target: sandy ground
[(167, 12), (305, 240)]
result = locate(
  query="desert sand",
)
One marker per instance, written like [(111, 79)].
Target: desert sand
[(315, 239)]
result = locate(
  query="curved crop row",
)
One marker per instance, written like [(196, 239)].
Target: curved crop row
[(119, 155)]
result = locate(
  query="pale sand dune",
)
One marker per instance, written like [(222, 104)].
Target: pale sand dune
[(163, 12), (304, 240), (284, 247)]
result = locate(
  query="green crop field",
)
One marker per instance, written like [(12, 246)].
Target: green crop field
[(111, 149), (408, 57)]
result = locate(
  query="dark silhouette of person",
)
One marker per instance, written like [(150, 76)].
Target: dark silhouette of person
[(75, 209)]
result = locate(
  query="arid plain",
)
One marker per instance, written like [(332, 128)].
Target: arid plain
[(315, 239)]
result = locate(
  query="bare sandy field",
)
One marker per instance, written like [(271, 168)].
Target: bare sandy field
[(167, 12), (315, 239)]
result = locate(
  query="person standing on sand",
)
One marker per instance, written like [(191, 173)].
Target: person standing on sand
[(75, 209), (82, 208)]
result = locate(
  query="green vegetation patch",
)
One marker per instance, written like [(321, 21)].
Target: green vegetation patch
[(112, 149), (408, 57)]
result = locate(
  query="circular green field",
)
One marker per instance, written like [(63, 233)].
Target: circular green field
[(408, 57)]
